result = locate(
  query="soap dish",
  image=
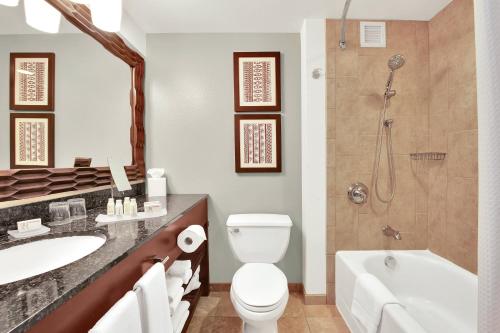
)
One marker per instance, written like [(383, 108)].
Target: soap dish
[(27, 234)]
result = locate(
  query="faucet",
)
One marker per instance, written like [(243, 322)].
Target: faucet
[(390, 232)]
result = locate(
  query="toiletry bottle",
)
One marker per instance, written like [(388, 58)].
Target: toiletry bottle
[(133, 207), (119, 208), (126, 206), (111, 207)]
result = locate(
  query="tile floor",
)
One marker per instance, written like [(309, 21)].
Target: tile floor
[(215, 313)]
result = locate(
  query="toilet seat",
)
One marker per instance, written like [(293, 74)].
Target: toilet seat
[(259, 287)]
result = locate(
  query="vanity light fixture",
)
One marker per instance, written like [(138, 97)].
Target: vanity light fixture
[(42, 16), (107, 15), (10, 3)]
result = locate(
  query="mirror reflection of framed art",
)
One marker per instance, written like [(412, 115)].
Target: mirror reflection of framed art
[(31, 140), (32, 81)]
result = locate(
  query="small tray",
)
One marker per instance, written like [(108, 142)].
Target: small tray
[(105, 219), (27, 234)]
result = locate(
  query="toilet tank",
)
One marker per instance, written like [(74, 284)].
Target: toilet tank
[(259, 238)]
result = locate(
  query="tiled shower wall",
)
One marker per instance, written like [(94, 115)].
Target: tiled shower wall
[(429, 198), (453, 129)]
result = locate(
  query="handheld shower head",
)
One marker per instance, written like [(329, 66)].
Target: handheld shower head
[(396, 62)]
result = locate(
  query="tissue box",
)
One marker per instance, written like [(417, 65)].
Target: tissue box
[(157, 187)]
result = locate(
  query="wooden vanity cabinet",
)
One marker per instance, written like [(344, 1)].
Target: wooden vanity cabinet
[(82, 311)]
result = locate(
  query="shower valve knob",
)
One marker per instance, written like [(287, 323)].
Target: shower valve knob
[(358, 193)]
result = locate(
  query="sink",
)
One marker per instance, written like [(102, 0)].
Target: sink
[(29, 259)]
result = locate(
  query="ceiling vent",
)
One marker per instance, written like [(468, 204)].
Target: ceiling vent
[(372, 34)]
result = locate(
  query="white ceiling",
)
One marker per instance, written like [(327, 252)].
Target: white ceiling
[(12, 22), (194, 16)]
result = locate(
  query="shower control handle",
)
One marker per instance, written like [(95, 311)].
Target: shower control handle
[(358, 193)]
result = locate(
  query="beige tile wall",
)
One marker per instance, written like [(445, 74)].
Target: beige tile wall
[(356, 81), (453, 129), (435, 205)]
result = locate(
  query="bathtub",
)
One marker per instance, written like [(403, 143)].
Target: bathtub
[(438, 296)]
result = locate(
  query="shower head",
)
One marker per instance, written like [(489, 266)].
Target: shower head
[(396, 62)]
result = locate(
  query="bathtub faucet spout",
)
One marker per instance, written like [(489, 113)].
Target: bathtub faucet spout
[(390, 232)]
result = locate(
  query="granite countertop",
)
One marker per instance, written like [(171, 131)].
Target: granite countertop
[(23, 303)]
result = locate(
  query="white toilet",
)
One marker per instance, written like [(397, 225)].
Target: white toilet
[(259, 291)]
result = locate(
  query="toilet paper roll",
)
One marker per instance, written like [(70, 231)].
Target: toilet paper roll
[(191, 238)]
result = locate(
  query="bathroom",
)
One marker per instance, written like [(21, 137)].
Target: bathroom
[(135, 203)]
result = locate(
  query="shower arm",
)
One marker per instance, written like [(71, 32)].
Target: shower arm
[(342, 42)]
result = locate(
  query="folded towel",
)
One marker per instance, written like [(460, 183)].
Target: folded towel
[(186, 276), (173, 283), (176, 299), (179, 267), (151, 290), (183, 322), (194, 283), (370, 297), (124, 316), (179, 314)]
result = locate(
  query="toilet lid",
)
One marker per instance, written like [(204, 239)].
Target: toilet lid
[(259, 285)]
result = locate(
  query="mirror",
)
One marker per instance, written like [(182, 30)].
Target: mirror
[(91, 117)]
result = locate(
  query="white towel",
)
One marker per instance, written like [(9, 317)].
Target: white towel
[(152, 293), (124, 316), (370, 297), (176, 299), (183, 322), (179, 267), (173, 283), (194, 283), (179, 314)]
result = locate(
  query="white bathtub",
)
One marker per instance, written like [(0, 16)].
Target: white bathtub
[(438, 296)]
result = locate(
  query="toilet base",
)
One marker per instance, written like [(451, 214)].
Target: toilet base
[(262, 327)]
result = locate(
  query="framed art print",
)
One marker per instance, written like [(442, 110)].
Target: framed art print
[(32, 81), (257, 143), (257, 81), (31, 140)]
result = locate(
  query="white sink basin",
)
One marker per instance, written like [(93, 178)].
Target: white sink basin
[(30, 259)]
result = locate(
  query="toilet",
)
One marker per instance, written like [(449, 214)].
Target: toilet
[(259, 290)]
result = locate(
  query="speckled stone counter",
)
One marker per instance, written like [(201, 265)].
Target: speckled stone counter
[(25, 302)]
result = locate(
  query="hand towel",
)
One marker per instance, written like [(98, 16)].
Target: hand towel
[(370, 297), (194, 283), (173, 283), (124, 316), (176, 299), (179, 267), (151, 290), (179, 314), (183, 322)]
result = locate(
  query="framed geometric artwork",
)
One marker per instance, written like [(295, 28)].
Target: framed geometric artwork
[(257, 143), (32, 81), (257, 81), (31, 140)]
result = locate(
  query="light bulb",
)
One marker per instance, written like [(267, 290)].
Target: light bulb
[(10, 3), (42, 16), (106, 14)]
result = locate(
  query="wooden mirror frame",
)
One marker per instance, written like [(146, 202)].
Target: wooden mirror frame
[(18, 184)]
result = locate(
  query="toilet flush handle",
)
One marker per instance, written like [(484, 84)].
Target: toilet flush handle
[(234, 230)]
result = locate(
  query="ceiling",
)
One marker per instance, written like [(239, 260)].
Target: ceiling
[(212, 16), (12, 22), (195, 16)]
